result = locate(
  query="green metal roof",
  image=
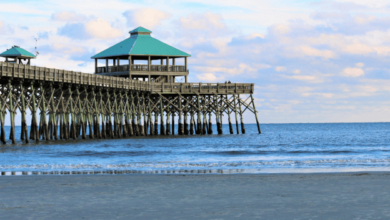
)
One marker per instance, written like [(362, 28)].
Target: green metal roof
[(140, 45), (16, 51), (140, 29)]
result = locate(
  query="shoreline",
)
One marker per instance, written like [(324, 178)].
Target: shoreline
[(243, 196), (201, 171)]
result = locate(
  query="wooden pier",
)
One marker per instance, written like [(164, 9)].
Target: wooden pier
[(69, 103)]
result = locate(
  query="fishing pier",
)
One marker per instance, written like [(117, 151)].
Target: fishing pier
[(121, 99)]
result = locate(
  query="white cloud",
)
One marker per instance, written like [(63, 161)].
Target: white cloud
[(254, 35), (280, 69), (309, 51), (280, 29), (261, 66), (100, 28), (297, 71), (205, 21), (242, 69), (68, 49), (360, 65), (67, 16), (352, 72), (309, 79), (209, 77), (145, 17)]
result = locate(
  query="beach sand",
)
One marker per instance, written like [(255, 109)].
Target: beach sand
[(239, 196)]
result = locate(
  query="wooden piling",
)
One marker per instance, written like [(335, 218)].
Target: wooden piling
[(2, 117), (61, 126), (199, 122), (83, 122), (156, 123), (144, 113), (217, 117), (192, 123), (109, 117), (210, 130), (235, 112), (168, 130), (123, 116), (162, 125), (44, 109), (221, 115), (230, 122), (205, 124), (97, 114), (55, 126), (117, 119), (180, 124), (2, 114), (173, 123), (23, 132), (11, 112), (67, 127), (255, 112), (204, 128), (128, 116), (185, 124), (150, 121), (241, 119), (139, 115), (73, 115)]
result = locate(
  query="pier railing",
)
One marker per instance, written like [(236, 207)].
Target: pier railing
[(142, 68), (204, 88), (63, 76)]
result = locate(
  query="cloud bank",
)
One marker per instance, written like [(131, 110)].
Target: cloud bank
[(312, 61)]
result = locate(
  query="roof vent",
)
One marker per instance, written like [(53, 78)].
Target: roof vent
[(140, 31)]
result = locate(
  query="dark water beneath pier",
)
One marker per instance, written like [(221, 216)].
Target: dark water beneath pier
[(281, 148)]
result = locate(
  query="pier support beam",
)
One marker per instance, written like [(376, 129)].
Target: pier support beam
[(156, 123), (180, 124), (199, 124), (23, 132), (241, 119), (255, 112), (150, 119), (162, 125), (140, 121), (185, 123), (235, 112), (12, 112), (168, 130), (228, 112), (2, 114)]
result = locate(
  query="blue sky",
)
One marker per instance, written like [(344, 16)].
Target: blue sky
[(311, 61)]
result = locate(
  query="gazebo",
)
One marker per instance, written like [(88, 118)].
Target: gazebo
[(17, 54), (142, 46)]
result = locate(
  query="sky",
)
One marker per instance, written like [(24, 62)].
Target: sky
[(311, 61)]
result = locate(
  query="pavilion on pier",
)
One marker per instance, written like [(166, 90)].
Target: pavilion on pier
[(16, 54), (141, 46)]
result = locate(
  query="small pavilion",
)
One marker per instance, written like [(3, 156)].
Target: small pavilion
[(16, 54), (142, 46)]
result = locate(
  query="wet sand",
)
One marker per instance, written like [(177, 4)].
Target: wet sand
[(240, 196)]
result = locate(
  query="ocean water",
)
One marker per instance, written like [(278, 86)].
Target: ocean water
[(328, 147)]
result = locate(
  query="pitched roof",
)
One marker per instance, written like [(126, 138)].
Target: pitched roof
[(139, 44), (140, 29), (16, 51)]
